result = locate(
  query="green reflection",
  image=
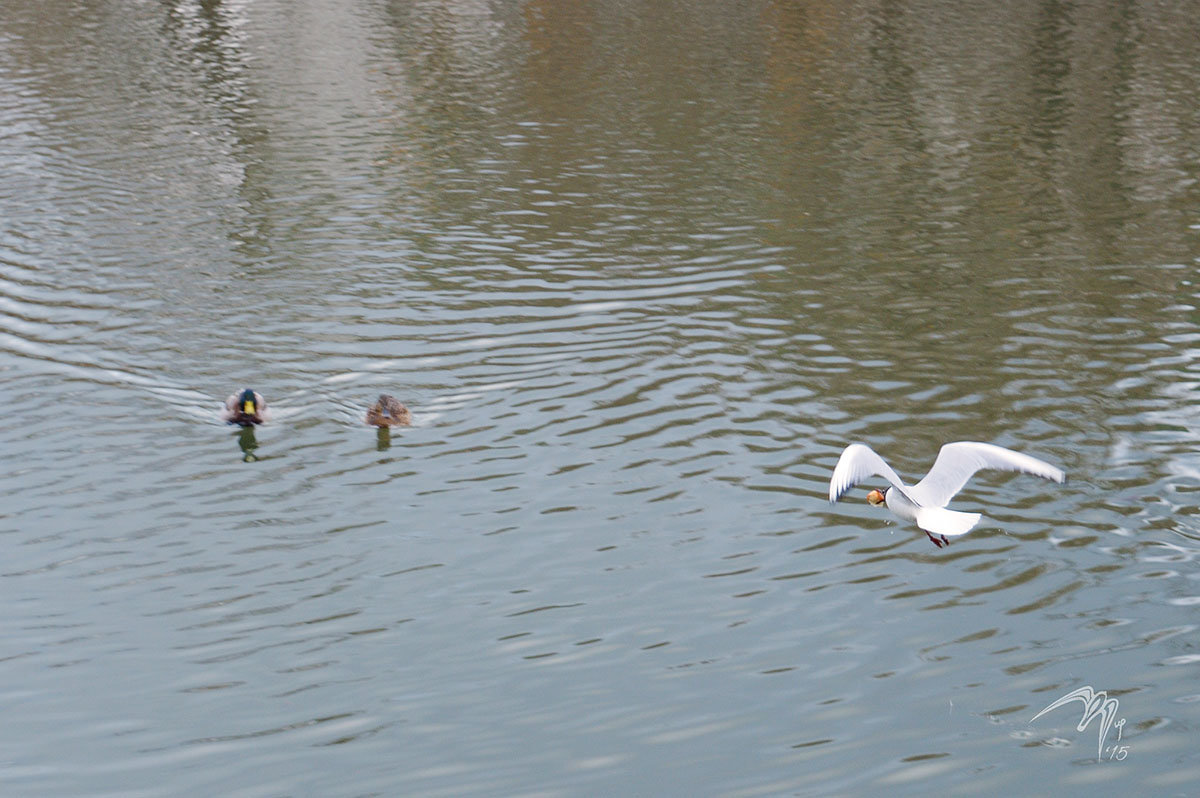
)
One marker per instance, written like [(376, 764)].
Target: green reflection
[(247, 443)]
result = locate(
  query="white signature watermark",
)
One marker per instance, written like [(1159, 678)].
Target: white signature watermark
[(1095, 705)]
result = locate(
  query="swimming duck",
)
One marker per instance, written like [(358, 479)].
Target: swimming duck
[(388, 412), (246, 408), (925, 503)]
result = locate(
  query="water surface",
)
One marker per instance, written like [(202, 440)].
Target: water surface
[(640, 270)]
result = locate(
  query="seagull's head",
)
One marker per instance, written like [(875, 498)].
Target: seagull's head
[(876, 498)]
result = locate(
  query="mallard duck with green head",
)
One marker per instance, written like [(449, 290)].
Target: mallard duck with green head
[(246, 408)]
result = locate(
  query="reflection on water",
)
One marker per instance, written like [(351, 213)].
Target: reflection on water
[(645, 269), (247, 443)]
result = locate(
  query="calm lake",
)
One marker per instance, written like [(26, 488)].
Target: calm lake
[(641, 270)]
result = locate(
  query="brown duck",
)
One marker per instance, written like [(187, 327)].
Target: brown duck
[(388, 412)]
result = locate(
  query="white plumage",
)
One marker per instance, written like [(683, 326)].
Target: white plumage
[(925, 502)]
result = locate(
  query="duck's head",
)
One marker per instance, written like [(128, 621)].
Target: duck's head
[(248, 403), (876, 498), (387, 405)]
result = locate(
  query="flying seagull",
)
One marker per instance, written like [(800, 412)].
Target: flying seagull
[(926, 501)]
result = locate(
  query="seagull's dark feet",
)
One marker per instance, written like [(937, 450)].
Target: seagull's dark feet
[(935, 541)]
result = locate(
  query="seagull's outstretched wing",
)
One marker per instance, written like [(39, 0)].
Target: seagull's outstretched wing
[(856, 464), (956, 462)]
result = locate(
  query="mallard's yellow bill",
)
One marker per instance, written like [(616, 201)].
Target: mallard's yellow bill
[(248, 407)]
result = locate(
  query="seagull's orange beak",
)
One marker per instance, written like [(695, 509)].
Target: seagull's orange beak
[(875, 498)]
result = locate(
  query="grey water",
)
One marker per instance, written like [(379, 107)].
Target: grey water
[(640, 270)]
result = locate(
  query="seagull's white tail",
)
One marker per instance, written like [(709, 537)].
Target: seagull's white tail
[(949, 523)]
